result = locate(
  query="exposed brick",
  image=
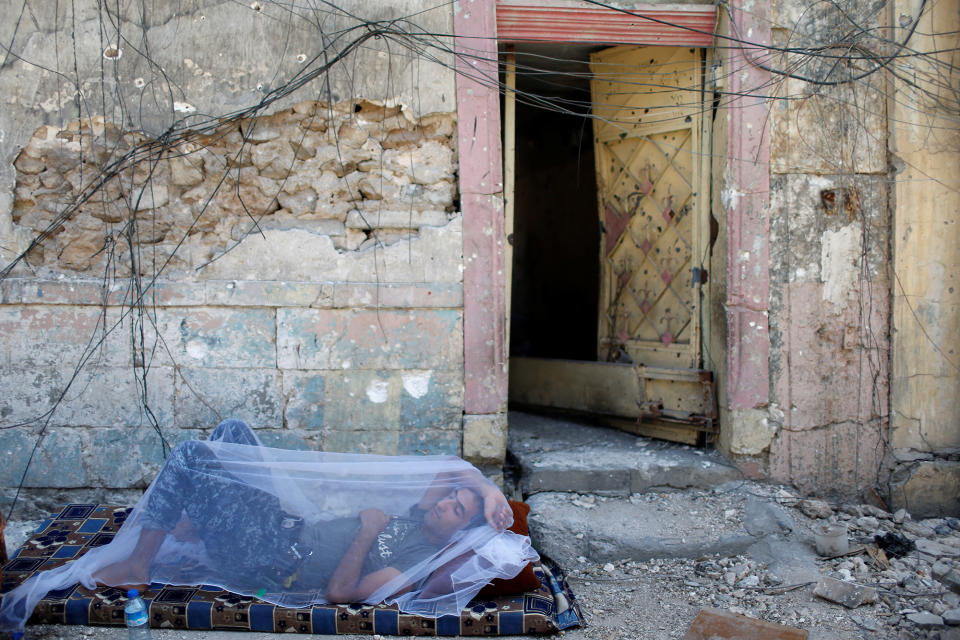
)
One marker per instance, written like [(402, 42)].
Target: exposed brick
[(384, 339), (204, 397)]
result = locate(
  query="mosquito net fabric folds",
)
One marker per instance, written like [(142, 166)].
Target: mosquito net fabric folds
[(297, 528)]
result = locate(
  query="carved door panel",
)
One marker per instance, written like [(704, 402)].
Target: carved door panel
[(651, 172)]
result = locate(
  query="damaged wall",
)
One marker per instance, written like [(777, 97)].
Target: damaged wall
[(925, 376), (862, 211), (822, 422), (300, 270)]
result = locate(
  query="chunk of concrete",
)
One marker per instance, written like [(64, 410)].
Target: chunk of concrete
[(848, 594), (947, 575), (925, 619)]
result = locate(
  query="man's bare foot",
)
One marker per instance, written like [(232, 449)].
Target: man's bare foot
[(123, 575)]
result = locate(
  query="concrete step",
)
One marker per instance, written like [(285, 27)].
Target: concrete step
[(558, 454), (574, 529)]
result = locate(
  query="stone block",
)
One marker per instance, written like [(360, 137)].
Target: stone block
[(57, 462), (362, 400), (127, 457), (427, 442), (485, 438), (848, 594), (947, 575), (111, 396), (384, 339), (749, 431), (377, 442), (257, 293), (434, 255), (78, 292), (432, 400), (283, 439), (204, 397), (29, 393), (58, 336), (214, 337), (304, 394), (386, 295), (11, 289), (926, 489)]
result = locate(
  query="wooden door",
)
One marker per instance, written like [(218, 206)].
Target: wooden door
[(651, 183)]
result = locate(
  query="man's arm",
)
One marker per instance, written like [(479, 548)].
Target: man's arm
[(496, 509), (346, 584)]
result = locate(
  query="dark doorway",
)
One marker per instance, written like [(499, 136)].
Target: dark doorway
[(556, 231)]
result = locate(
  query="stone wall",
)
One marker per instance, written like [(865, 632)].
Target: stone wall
[(822, 424), (232, 210), (303, 275)]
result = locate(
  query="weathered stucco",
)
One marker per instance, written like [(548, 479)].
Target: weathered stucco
[(925, 375), (821, 420), (300, 268)]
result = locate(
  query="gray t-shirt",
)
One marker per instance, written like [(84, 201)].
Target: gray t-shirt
[(400, 545)]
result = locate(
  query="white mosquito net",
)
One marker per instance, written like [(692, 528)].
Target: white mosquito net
[(303, 527)]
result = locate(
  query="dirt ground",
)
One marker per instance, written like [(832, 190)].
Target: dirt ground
[(658, 599)]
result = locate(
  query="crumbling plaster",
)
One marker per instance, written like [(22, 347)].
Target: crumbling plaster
[(820, 422), (214, 57), (337, 323), (925, 375)]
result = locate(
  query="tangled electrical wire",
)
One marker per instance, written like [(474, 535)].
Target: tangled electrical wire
[(835, 49)]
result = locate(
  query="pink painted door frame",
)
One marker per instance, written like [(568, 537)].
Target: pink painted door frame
[(481, 180)]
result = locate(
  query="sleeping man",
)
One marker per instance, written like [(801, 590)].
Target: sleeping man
[(303, 527), (246, 531)]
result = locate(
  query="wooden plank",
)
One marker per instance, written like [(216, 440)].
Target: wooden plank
[(684, 434), (715, 624)]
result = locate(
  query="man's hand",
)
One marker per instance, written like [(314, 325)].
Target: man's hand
[(497, 510), (373, 521)]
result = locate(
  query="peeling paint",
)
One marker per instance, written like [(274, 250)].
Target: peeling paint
[(377, 391), (840, 253), (417, 384)]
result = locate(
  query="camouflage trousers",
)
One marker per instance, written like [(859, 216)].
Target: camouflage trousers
[(244, 530)]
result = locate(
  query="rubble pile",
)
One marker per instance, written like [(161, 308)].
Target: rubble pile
[(900, 577)]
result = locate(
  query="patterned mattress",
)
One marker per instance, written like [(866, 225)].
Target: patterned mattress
[(80, 527)]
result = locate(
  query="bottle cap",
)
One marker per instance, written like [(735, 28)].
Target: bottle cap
[(133, 593)]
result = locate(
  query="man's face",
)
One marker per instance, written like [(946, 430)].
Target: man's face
[(453, 512)]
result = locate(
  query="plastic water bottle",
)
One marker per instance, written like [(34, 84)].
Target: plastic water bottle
[(136, 616)]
